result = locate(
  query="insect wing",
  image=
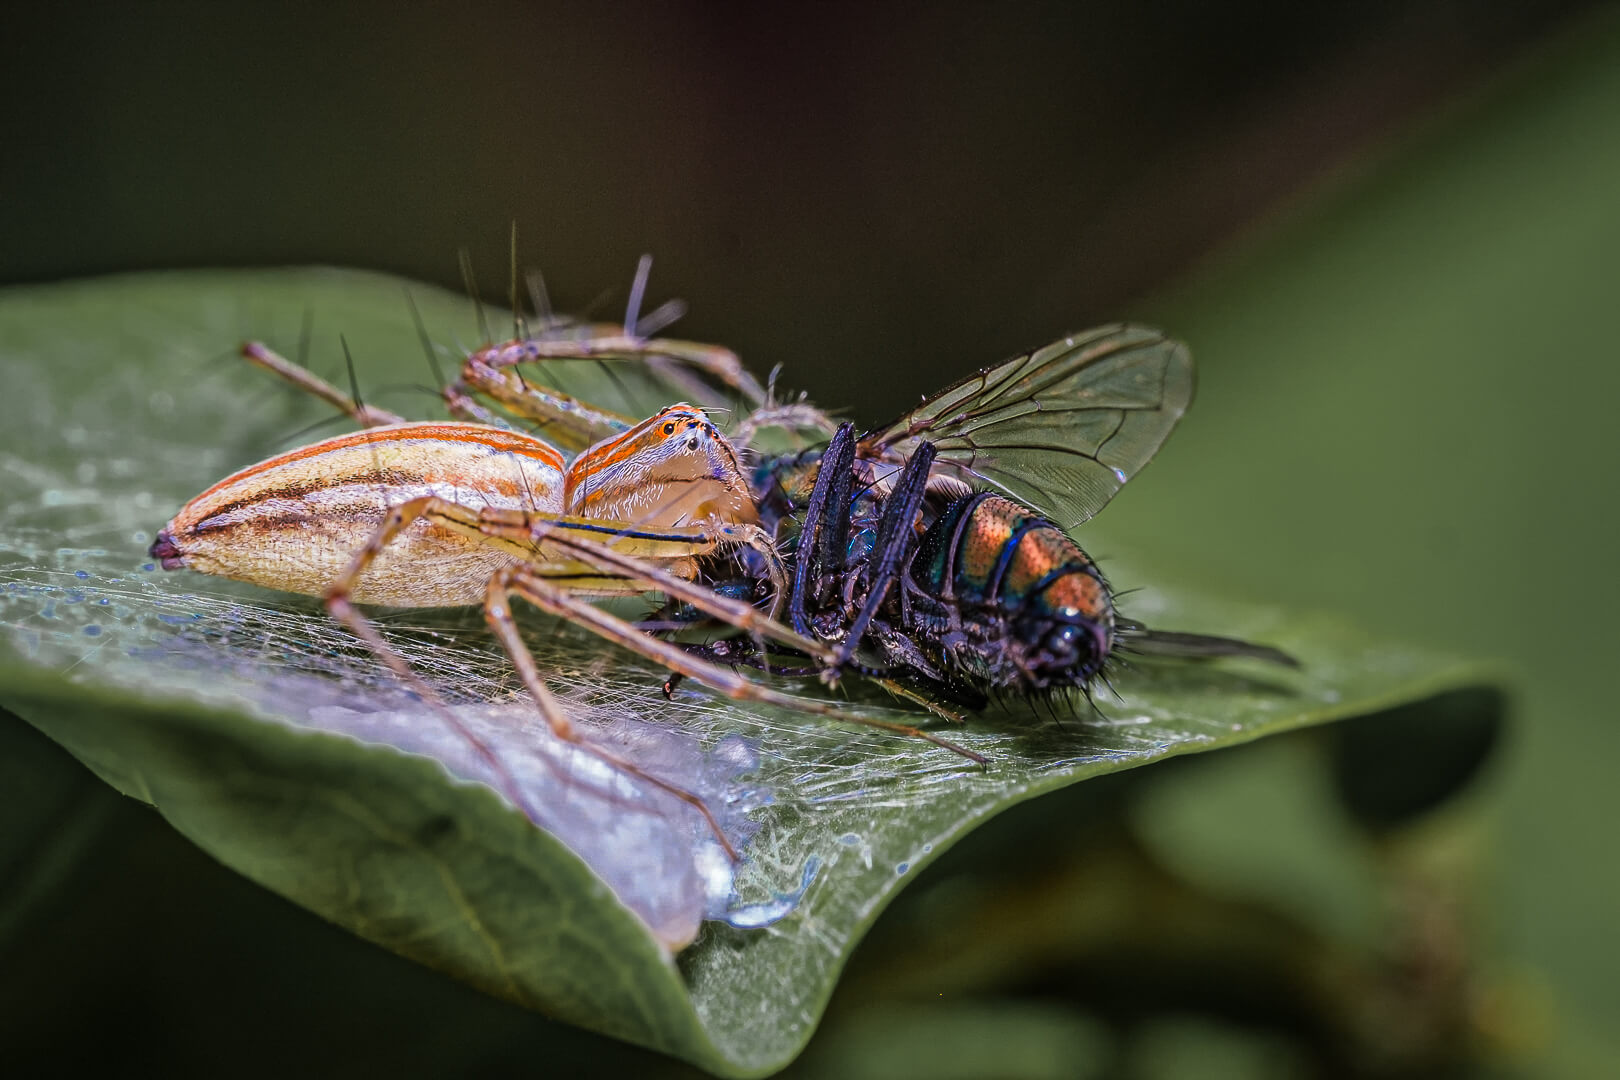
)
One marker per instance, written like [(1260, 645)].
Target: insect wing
[(1060, 429)]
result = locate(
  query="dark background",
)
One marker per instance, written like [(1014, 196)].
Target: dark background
[(855, 193), (881, 201)]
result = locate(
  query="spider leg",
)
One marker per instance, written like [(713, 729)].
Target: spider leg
[(639, 575), (366, 415), (567, 420), (498, 614), (713, 360), (553, 585), (341, 608), (792, 416), (463, 406), (577, 425), (545, 594), (570, 421)]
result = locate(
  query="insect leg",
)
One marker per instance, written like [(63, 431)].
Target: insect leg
[(263, 356), (832, 536), (741, 651), (894, 539), (908, 693), (808, 560)]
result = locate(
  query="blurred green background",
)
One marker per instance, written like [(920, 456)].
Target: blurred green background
[(1390, 232)]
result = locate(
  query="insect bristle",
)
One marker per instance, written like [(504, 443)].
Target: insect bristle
[(661, 317), (354, 379), (541, 300), (1091, 700), (1102, 677), (618, 383), (470, 281), (429, 350), (638, 289), (306, 333), (520, 328)]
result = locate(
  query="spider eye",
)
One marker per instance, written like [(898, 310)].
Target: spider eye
[(669, 429)]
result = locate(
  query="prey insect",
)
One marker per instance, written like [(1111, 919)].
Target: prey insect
[(432, 514), (933, 553)]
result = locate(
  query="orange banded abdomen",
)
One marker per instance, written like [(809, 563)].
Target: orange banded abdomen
[(1036, 609)]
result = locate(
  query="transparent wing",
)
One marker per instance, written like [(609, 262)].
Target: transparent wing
[(1060, 429)]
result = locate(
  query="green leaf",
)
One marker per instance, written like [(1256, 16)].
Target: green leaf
[(265, 735)]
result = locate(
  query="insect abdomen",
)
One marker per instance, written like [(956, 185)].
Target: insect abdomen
[(1035, 610)]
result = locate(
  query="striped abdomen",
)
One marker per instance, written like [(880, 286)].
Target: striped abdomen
[(1020, 606), (295, 522)]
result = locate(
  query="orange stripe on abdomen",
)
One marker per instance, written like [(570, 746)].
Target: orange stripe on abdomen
[(454, 439)]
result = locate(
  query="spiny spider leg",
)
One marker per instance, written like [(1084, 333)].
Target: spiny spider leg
[(568, 421), (791, 415), (342, 609), (524, 534), (713, 360), (365, 415), (550, 597), (576, 424), (650, 578), (637, 575), (498, 614)]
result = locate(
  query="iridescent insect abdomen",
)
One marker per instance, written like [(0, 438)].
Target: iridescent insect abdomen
[(1032, 610)]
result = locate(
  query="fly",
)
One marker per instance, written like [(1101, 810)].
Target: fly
[(934, 555)]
